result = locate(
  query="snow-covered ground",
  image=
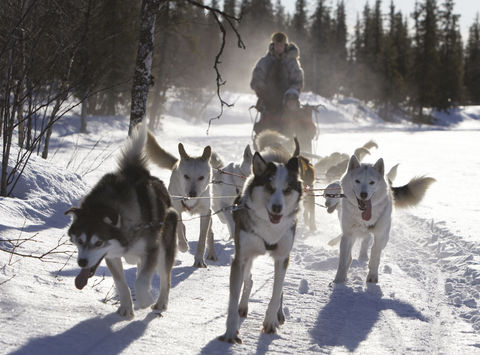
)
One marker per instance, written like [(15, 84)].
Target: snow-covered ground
[(426, 300)]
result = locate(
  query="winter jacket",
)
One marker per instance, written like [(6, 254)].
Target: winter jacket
[(272, 77)]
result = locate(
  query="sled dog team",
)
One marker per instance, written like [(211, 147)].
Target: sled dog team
[(131, 214)]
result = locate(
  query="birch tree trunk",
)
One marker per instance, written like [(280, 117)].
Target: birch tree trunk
[(142, 77)]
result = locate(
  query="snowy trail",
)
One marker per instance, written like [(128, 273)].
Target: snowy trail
[(426, 299)]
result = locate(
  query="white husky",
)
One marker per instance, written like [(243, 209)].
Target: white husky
[(227, 184), (265, 223), (190, 190), (367, 208)]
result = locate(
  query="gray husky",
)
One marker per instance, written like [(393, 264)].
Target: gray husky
[(127, 214), (367, 209), (190, 190), (265, 223)]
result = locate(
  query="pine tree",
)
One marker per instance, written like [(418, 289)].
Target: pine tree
[(279, 18), (340, 46), (320, 55), (472, 63), (450, 80), (426, 56)]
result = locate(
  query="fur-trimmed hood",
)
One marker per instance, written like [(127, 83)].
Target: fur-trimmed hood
[(291, 50)]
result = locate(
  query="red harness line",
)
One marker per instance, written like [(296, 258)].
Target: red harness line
[(233, 174)]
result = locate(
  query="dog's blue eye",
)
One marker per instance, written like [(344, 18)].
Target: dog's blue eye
[(201, 178), (186, 177), (372, 182), (99, 243)]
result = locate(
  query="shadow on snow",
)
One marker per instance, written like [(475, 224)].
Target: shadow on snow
[(94, 335), (350, 315)]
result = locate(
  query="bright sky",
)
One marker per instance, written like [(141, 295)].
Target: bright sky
[(467, 9)]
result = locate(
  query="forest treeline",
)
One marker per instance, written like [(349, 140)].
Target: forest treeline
[(53, 50)]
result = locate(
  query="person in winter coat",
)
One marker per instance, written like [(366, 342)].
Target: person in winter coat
[(277, 78)]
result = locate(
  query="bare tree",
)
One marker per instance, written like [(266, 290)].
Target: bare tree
[(142, 77)]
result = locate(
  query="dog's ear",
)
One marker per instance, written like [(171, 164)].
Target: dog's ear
[(353, 163), (183, 153), (258, 164), (207, 153), (296, 153), (73, 211), (292, 164), (380, 166), (247, 153), (113, 220)]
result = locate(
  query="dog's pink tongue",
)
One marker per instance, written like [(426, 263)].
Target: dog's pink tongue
[(82, 278), (367, 213)]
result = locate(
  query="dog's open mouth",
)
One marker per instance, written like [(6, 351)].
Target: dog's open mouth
[(366, 207), (85, 273), (275, 218)]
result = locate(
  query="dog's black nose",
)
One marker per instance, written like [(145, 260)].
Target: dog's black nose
[(276, 209), (192, 193), (363, 195), (82, 262)]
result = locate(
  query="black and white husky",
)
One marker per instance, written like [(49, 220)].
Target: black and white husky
[(127, 214), (264, 223)]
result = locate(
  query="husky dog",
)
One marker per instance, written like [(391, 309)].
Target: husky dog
[(367, 208), (334, 165), (270, 139), (190, 190), (228, 183), (127, 214), (265, 223), (307, 173)]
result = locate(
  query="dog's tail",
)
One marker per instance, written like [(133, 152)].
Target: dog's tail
[(216, 161), (158, 155), (370, 144), (361, 153), (169, 236), (133, 157), (272, 139), (412, 193)]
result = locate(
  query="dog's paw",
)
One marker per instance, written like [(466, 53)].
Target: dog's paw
[(243, 312), (372, 278), (144, 299), (232, 340), (159, 307), (339, 280), (126, 312), (271, 322), (270, 327), (200, 264)]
